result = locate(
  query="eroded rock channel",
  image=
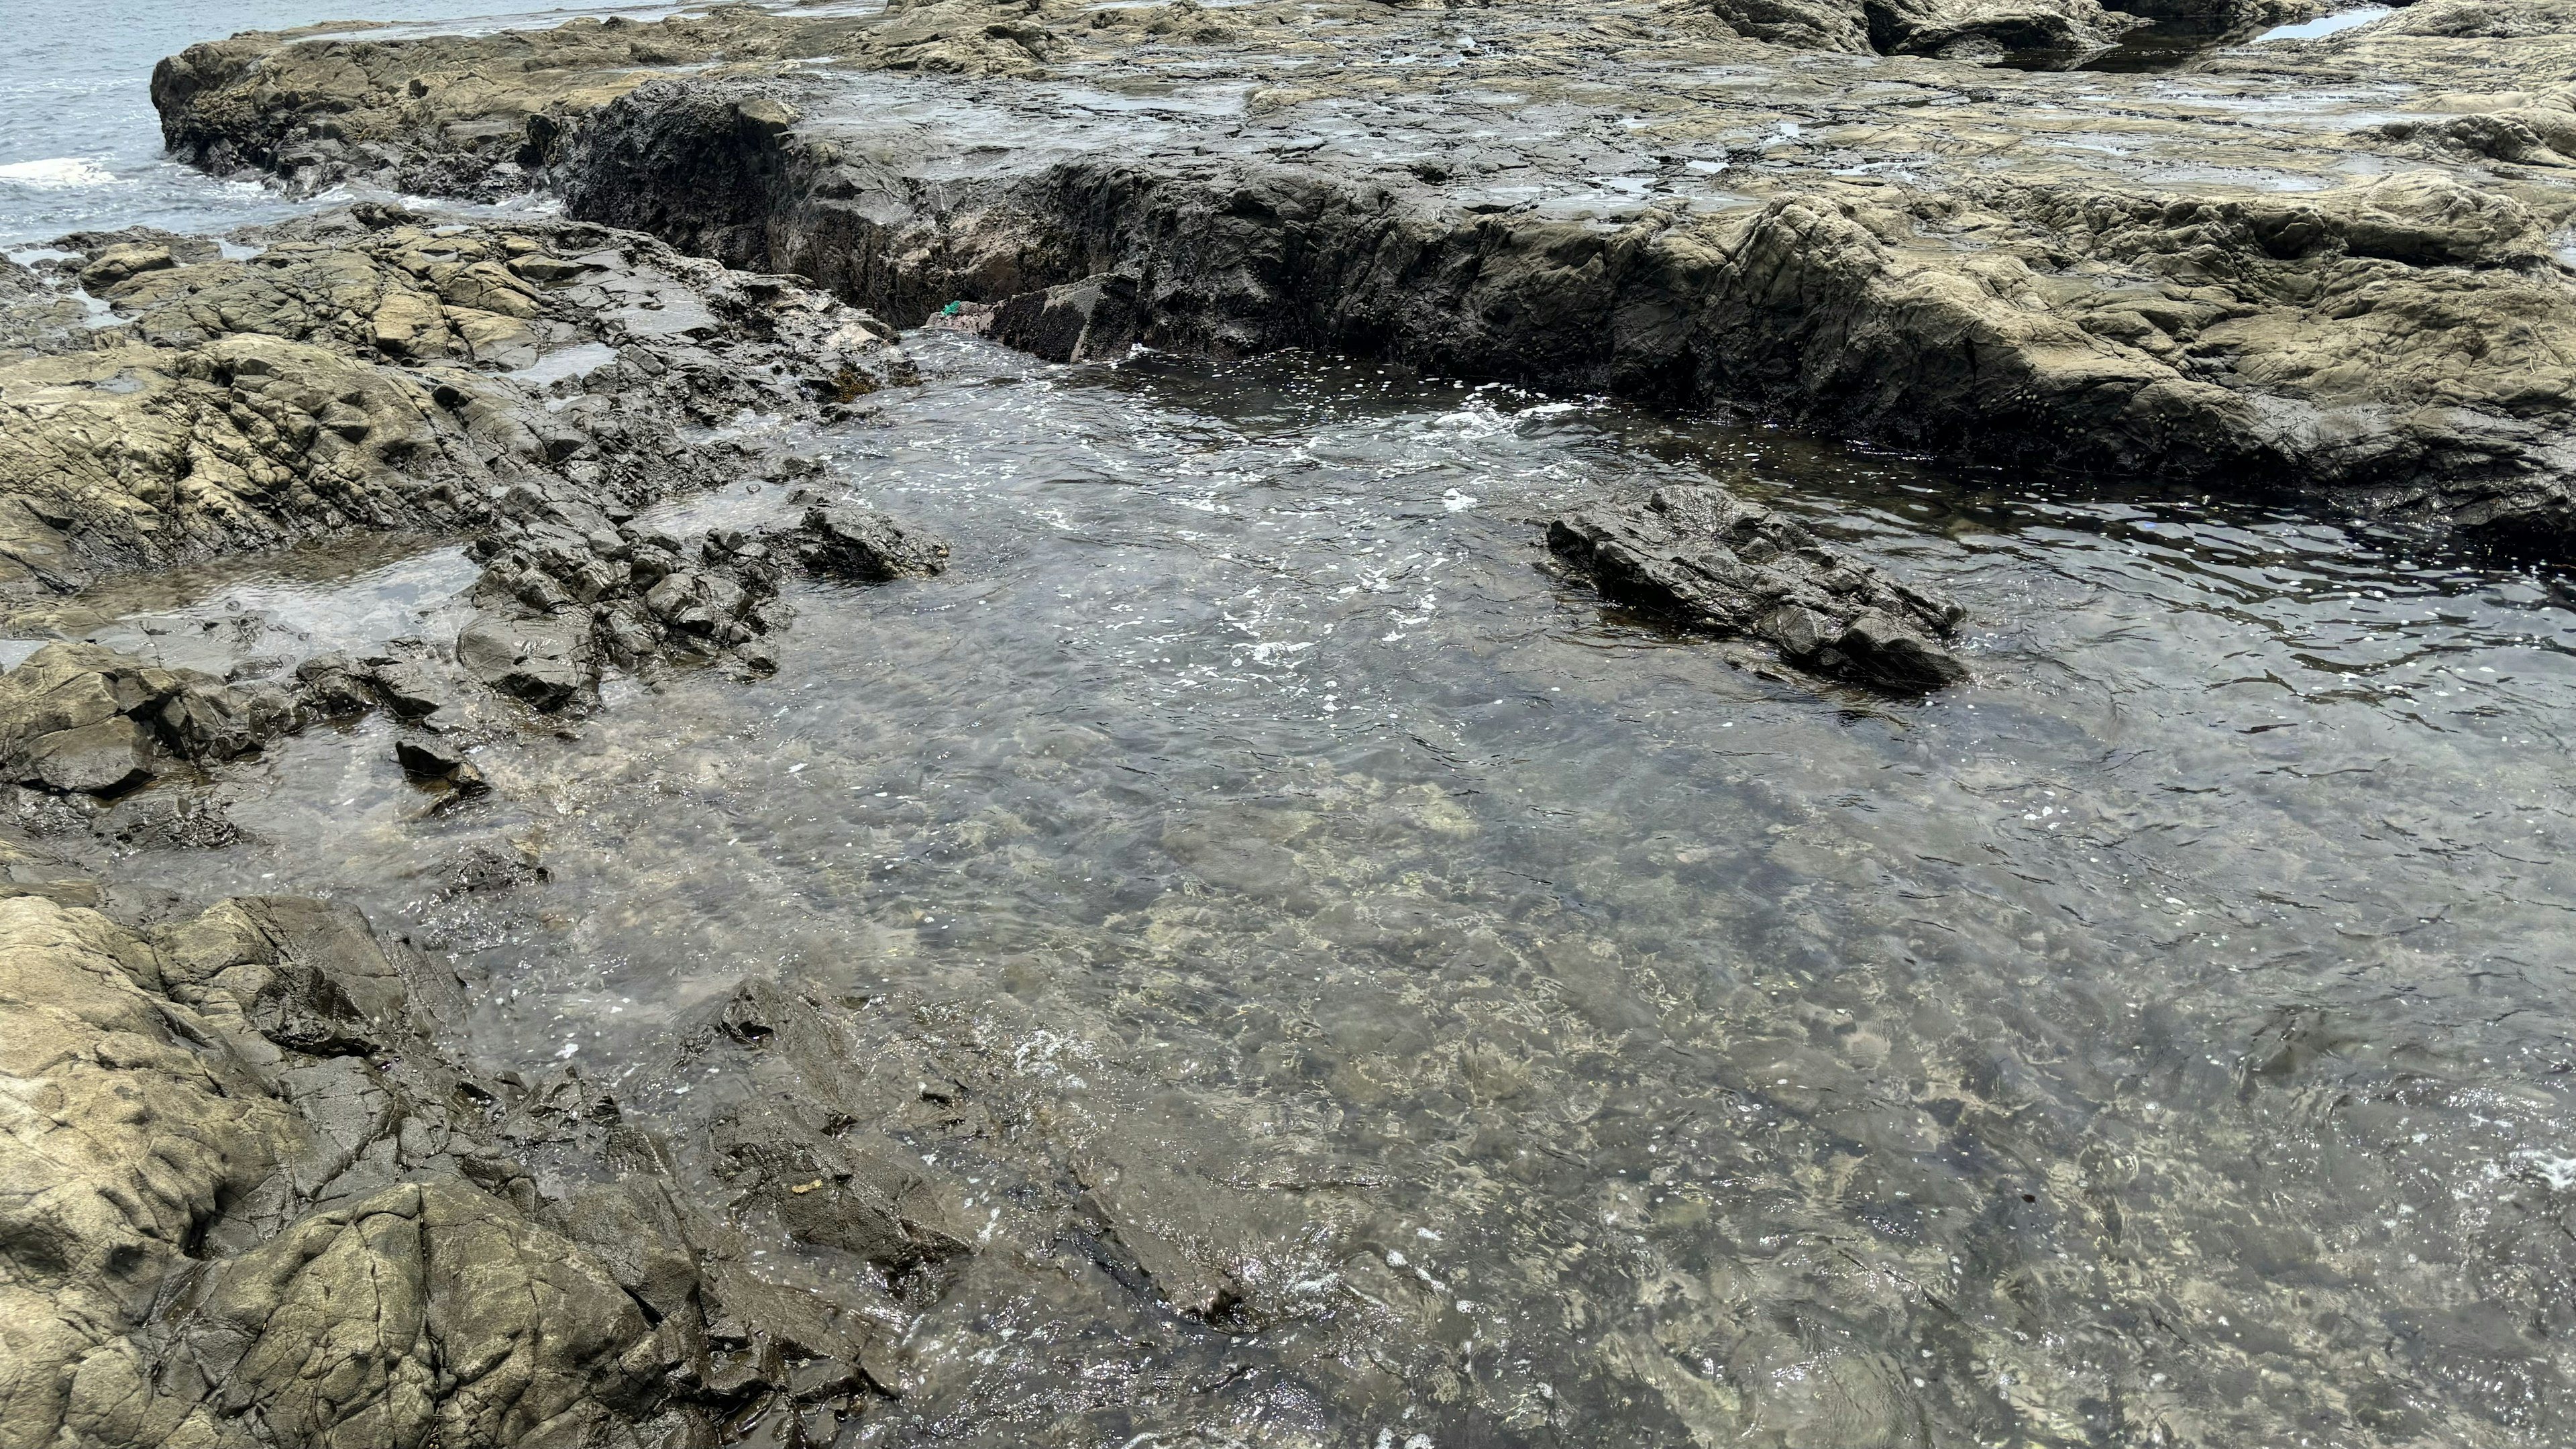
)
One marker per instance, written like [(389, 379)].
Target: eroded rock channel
[(1170, 725)]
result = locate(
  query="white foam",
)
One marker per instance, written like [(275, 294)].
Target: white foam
[(57, 173)]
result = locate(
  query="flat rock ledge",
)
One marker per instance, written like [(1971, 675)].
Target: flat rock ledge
[(1710, 561), (2329, 266)]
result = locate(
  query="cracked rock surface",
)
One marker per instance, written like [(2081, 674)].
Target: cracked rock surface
[(250, 1202), (379, 368), (2324, 265), (1715, 563)]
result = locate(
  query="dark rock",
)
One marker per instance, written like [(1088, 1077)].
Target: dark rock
[(1711, 561), (545, 660), (1095, 319), (93, 759), (329, 685), (431, 758), (849, 541), (408, 689), (81, 718), (2126, 312)]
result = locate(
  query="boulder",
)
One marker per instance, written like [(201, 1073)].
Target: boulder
[(1096, 319), (847, 540), (1710, 561), (545, 660), (94, 759)]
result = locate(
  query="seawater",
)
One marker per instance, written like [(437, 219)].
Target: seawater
[(2162, 1039)]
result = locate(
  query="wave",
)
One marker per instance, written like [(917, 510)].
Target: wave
[(57, 173)]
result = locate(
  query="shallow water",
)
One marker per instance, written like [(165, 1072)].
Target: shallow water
[(1587, 1038), (1577, 1034)]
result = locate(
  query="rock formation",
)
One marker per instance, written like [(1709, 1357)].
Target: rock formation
[(1712, 562), (1689, 205), (373, 367), (249, 1202)]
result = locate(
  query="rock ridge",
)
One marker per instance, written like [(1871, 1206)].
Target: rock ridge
[(1859, 270)]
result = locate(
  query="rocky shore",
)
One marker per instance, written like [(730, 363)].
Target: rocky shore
[(2327, 265), (251, 1202), (258, 1194)]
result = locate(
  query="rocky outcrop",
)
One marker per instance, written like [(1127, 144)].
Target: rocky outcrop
[(1712, 562), (484, 116), (380, 368), (567, 591), (248, 1202), (1939, 255), (81, 719)]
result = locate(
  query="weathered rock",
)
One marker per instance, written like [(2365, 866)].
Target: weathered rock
[(347, 374), (423, 1312), (83, 719), (244, 1202), (849, 541), (1087, 321), (546, 660), (94, 759), (1933, 253), (1713, 562), (430, 758)]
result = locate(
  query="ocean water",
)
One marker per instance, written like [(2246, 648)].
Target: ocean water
[(80, 147), (2162, 1040)]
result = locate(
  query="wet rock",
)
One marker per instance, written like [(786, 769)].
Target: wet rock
[(377, 367), (424, 1311), (1714, 562), (94, 759), (407, 688), (429, 758), (1907, 250), (544, 660), (1095, 319), (82, 719), (846, 540), (256, 1207), (328, 685), (485, 868)]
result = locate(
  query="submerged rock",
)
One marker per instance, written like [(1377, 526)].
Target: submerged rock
[(1713, 562)]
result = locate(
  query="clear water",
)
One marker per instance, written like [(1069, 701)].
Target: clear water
[(2165, 1034), (1578, 1036)]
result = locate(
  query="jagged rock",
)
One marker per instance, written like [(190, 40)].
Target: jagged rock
[(1091, 320), (1714, 562), (244, 1202), (328, 686), (345, 375), (545, 660), (430, 758), (83, 719), (423, 1312), (1908, 250), (849, 541)]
